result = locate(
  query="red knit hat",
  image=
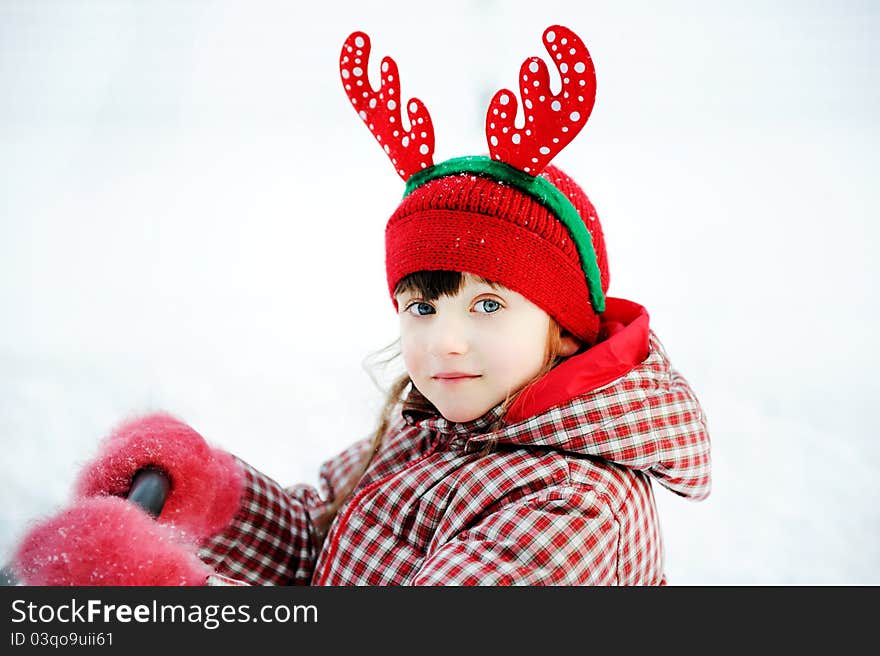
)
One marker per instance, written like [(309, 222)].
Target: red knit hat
[(475, 224), (511, 217)]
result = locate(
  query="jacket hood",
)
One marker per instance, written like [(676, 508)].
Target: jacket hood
[(620, 401)]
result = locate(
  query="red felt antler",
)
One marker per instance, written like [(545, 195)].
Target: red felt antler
[(410, 149), (552, 121)]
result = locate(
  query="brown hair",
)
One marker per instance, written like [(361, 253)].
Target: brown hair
[(430, 285)]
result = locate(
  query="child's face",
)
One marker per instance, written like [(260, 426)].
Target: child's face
[(467, 352)]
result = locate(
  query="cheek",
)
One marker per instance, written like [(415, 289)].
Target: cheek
[(521, 362), (520, 354), (412, 364), (412, 351)]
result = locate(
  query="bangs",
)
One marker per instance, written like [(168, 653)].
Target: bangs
[(431, 285)]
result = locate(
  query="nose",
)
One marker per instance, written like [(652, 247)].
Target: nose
[(448, 337)]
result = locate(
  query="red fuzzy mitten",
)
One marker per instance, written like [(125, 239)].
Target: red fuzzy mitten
[(107, 541), (206, 483)]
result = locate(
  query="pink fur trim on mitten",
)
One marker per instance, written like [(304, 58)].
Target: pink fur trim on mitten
[(206, 484), (107, 541)]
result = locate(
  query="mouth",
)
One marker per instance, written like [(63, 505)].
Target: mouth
[(455, 377)]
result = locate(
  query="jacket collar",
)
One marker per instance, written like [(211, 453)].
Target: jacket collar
[(623, 344), (417, 410), (608, 403)]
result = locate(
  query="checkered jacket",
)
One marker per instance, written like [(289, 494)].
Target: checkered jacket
[(563, 497)]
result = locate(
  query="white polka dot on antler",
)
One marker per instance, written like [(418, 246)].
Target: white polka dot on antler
[(381, 109)]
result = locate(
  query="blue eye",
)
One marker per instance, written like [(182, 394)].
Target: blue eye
[(489, 306), (420, 309)]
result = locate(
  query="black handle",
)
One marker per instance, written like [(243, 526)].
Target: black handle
[(7, 577), (149, 489)]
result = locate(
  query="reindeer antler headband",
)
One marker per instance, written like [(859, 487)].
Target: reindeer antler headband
[(516, 155)]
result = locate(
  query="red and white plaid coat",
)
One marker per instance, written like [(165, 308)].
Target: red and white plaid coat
[(565, 497)]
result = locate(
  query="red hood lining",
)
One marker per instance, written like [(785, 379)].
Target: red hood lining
[(624, 344)]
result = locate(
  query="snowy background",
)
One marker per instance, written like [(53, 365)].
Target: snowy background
[(191, 219)]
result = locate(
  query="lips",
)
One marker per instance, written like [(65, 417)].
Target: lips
[(452, 376)]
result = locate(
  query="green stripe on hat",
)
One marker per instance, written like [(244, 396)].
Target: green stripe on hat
[(539, 188)]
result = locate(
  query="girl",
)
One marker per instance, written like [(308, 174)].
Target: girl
[(520, 446)]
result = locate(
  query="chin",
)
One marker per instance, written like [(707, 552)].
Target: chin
[(460, 415)]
